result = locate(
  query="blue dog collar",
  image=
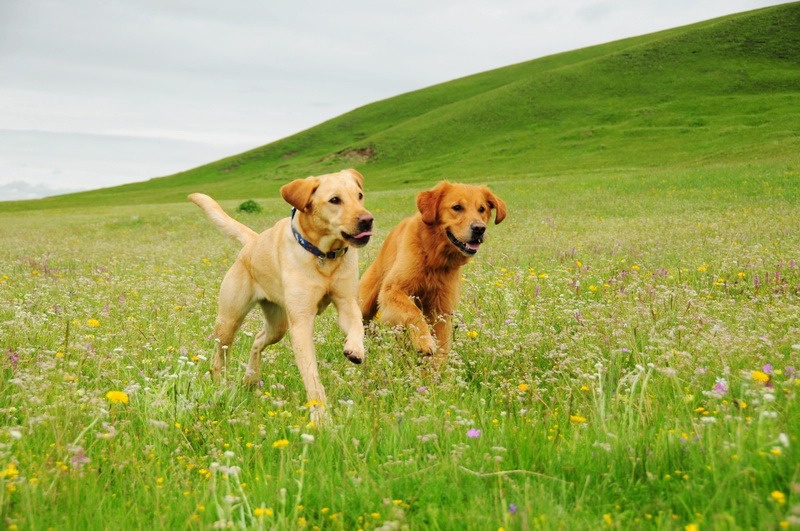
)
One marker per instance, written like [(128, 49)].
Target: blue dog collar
[(311, 248)]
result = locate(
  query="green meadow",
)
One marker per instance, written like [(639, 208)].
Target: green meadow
[(626, 349)]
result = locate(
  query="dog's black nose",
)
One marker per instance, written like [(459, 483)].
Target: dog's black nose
[(365, 221), (478, 228)]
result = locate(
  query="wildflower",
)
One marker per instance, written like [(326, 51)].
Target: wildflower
[(522, 387), (512, 508), (721, 386), (422, 388), (691, 527), (280, 443), (778, 497), (117, 397), (608, 519), (262, 511), (307, 438), (473, 433), (767, 368), (94, 323), (577, 419), (760, 376), (10, 471), (472, 334)]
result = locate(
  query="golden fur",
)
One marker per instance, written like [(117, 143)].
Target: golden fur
[(289, 283), (414, 282)]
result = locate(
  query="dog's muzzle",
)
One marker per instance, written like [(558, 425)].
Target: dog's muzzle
[(470, 247), (363, 232)]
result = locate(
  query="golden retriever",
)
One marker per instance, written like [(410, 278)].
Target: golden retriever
[(293, 271), (414, 281)]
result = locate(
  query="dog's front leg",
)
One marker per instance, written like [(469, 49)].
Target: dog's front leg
[(301, 332), (397, 308), (352, 325)]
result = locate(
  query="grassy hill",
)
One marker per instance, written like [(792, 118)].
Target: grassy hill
[(721, 92)]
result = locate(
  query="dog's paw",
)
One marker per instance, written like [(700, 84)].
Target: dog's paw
[(251, 380), (354, 351), (354, 356), (425, 345), (319, 415)]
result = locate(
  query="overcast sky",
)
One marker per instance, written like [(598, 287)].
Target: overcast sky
[(96, 93)]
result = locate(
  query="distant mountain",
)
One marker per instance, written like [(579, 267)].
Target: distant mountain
[(725, 91)]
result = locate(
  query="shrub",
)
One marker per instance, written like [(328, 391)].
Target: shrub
[(249, 206)]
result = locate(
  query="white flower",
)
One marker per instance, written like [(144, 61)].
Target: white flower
[(17, 435), (783, 439), (307, 438)]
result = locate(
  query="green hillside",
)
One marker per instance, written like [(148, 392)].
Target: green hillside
[(721, 92)]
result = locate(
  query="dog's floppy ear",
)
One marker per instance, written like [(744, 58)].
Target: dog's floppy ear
[(357, 177), (428, 203), (496, 203), (298, 192)]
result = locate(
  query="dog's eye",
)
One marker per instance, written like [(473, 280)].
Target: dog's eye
[(458, 208), (482, 210), (335, 200), (360, 197)]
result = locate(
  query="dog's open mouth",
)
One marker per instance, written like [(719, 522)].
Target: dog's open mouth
[(358, 240), (468, 248)]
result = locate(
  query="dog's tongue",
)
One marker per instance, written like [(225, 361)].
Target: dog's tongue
[(473, 246), (363, 235)]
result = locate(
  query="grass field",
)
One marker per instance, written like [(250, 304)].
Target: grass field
[(627, 341), (625, 358)]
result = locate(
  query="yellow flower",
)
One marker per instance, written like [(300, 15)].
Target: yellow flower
[(691, 527), (577, 419), (472, 334), (759, 376), (593, 288), (117, 397), (93, 322), (584, 388), (522, 387), (312, 403), (280, 443), (10, 471), (608, 519), (778, 496), (261, 511)]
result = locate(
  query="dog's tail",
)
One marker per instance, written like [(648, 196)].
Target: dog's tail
[(226, 224)]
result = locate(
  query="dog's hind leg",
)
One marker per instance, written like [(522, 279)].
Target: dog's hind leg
[(368, 290), (235, 301), (275, 326)]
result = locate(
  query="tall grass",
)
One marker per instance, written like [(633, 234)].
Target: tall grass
[(625, 357)]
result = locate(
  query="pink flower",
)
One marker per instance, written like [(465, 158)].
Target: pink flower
[(473, 433)]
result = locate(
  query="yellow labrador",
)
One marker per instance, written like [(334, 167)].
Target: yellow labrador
[(293, 271)]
